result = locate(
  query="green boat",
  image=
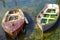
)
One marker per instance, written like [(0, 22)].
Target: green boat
[(48, 16)]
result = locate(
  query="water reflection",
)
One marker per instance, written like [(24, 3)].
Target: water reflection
[(3, 1), (58, 2), (16, 3)]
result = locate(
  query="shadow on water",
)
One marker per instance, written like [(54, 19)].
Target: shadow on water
[(29, 28), (2, 34)]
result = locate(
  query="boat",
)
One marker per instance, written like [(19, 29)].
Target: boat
[(48, 16), (13, 22)]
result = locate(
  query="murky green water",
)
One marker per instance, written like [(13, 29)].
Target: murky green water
[(31, 8)]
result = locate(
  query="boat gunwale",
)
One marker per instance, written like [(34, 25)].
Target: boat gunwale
[(7, 13)]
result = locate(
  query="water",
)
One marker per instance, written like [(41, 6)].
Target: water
[(31, 8)]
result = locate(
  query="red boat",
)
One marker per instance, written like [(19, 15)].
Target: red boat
[(13, 22)]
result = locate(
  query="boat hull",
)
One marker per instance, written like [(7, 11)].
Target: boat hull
[(45, 27), (15, 32), (13, 26)]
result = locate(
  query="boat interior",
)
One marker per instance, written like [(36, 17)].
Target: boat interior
[(49, 15), (12, 15)]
